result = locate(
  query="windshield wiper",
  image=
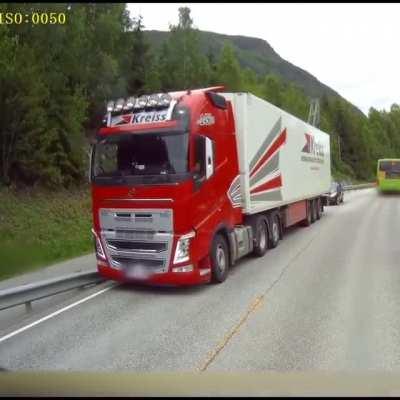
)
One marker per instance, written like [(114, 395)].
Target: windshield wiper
[(120, 178), (156, 178)]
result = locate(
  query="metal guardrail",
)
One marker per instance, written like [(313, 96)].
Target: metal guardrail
[(28, 293), (360, 186)]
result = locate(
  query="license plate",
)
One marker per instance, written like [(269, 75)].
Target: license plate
[(137, 272)]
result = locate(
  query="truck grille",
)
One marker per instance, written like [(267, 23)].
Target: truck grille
[(137, 237), (137, 246)]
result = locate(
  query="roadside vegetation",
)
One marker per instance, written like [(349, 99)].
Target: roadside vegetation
[(38, 228)]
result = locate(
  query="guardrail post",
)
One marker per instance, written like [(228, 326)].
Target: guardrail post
[(28, 306)]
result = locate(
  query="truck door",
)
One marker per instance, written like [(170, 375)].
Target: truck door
[(204, 200)]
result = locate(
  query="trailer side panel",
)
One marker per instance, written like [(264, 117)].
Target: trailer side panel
[(282, 159)]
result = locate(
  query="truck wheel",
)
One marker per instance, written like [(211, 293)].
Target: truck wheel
[(261, 234), (275, 235), (307, 220), (219, 259), (318, 208)]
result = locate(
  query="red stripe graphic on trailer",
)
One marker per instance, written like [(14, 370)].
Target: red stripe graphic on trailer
[(278, 142), (271, 184)]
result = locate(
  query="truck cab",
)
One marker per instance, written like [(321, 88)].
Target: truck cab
[(164, 171)]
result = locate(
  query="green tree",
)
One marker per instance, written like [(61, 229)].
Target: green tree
[(272, 89), (250, 82), (25, 142), (295, 101), (139, 57), (183, 65), (228, 70), (212, 62), (53, 89)]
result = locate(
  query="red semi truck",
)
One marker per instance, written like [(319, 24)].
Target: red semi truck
[(186, 183)]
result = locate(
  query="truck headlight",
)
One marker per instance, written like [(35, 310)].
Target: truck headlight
[(99, 248), (182, 248)]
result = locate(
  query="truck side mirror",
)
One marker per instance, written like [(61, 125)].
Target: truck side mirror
[(204, 160), (200, 150), (209, 158)]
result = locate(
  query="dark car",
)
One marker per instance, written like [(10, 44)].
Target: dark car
[(335, 195)]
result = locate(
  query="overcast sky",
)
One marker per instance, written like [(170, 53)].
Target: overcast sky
[(353, 48)]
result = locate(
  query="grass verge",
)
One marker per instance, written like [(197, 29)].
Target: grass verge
[(38, 228)]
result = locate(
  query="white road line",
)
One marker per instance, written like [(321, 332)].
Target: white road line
[(10, 335)]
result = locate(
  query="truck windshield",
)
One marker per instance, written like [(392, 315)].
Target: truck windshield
[(144, 158)]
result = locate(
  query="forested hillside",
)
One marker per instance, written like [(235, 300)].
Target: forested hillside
[(253, 53), (55, 79)]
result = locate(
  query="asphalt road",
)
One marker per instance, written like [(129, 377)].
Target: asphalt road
[(326, 299)]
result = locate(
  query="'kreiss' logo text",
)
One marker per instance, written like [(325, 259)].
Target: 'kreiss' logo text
[(314, 149)]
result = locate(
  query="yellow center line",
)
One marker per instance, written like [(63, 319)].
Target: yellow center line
[(256, 303)]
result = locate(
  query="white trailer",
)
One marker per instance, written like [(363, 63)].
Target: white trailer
[(282, 159), (284, 172)]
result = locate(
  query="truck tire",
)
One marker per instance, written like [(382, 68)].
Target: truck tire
[(318, 208), (261, 236), (307, 220), (219, 259), (275, 231)]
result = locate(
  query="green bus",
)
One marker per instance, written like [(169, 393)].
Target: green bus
[(388, 175)]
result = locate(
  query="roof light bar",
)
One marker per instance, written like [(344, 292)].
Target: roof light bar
[(129, 104), (141, 102), (152, 101), (119, 104), (164, 99), (110, 106), (158, 100)]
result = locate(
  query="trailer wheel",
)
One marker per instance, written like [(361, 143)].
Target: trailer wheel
[(318, 208), (275, 231), (219, 259)]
